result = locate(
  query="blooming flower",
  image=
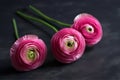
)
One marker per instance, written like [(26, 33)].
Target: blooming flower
[(28, 53), (90, 28), (67, 45)]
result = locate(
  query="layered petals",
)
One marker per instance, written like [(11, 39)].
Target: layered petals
[(90, 28), (28, 53), (67, 45)]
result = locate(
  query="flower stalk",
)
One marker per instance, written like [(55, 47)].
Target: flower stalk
[(15, 28), (28, 17), (35, 10)]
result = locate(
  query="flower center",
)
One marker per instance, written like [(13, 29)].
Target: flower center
[(70, 43), (31, 54), (89, 28)]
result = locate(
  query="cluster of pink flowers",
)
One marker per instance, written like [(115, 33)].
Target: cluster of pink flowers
[(68, 44)]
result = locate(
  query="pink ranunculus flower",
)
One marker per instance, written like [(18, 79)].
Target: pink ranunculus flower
[(90, 28), (28, 53), (68, 45)]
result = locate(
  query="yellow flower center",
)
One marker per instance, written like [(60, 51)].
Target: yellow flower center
[(89, 29), (31, 54), (70, 43)]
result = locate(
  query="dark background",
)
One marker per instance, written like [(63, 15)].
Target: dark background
[(101, 62)]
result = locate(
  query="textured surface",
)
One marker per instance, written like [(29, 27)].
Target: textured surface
[(101, 62)]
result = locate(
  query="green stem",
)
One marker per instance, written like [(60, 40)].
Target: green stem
[(28, 17), (15, 28), (47, 17)]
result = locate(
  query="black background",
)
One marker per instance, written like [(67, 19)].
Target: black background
[(101, 62)]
